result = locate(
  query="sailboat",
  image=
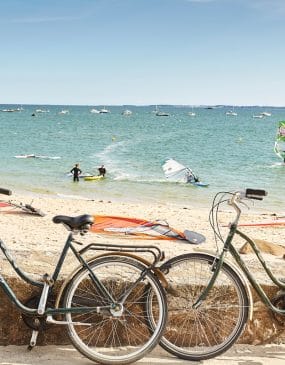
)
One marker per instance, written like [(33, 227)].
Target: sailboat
[(279, 147), (232, 112), (158, 113), (192, 113), (176, 172), (104, 111)]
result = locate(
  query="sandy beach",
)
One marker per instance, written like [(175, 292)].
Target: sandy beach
[(35, 242)]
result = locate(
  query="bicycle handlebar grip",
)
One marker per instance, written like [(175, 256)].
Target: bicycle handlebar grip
[(257, 194), (5, 191)]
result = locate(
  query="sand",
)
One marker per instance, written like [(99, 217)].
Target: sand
[(35, 242), (66, 355)]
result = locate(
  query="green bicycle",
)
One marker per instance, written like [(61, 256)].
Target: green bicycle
[(209, 299), (102, 303)]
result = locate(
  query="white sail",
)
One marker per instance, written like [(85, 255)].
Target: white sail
[(279, 146), (175, 171)]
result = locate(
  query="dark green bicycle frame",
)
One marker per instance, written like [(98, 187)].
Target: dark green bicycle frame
[(218, 263), (68, 245)]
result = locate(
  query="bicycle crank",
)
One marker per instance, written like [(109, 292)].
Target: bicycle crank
[(36, 323)]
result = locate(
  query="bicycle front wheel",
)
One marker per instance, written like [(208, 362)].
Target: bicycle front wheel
[(209, 330), (108, 335)]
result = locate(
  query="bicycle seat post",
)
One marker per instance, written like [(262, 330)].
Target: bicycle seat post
[(48, 283)]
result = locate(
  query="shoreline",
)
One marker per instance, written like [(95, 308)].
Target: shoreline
[(254, 207)]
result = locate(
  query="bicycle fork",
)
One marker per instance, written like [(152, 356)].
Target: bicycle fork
[(215, 268)]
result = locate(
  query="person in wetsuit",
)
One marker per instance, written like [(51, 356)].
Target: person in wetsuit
[(76, 172), (102, 171)]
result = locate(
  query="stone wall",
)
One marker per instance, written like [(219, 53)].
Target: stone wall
[(263, 329)]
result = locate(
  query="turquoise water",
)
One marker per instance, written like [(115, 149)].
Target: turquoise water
[(228, 152)]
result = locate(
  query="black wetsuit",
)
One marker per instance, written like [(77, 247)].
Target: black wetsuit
[(76, 172), (102, 171)]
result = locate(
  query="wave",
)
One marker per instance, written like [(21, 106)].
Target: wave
[(69, 196), (277, 164), (128, 177), (114, 157)]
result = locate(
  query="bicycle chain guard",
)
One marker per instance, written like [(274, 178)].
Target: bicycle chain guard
[(36, 322)]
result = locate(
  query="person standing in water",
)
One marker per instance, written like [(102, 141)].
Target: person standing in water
[(102, 171), (76, 172)]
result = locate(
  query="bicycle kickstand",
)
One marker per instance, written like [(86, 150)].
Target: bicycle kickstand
[(33, 340)]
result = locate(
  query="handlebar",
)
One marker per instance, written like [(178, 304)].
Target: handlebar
[(5, 191), (248, 193)]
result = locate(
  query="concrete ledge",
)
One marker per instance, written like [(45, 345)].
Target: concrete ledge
[(263, 329)]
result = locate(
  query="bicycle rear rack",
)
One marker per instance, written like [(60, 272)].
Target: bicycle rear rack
[(157, 254)]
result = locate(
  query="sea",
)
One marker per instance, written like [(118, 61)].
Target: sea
[(229, 152)]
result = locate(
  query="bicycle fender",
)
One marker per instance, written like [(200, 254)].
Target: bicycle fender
[(240, 274), (142, 260)]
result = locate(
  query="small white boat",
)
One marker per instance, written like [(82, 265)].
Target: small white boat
[(127, 112), (12, 110), (232, 113), (64, 112), (158, 113), (266, 114), (161, 114), (95, 111), (192, 113), (104, 111), (42, 111), (258, 116)]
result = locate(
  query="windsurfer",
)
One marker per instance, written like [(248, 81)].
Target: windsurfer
[(191, 177), (102, 171), (76, 172)]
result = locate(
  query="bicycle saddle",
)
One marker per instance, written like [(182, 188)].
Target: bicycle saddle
[(78, 223)]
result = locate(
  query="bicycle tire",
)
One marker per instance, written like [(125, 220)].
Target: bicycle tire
[(212, 328), (110, 339)]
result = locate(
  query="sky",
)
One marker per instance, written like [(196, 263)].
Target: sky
[(124, 52)]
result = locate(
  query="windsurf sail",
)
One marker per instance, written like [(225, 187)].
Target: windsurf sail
[(279, 146), (141, 228), (175, 171)]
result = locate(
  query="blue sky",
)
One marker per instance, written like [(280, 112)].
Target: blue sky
[(142, 52)]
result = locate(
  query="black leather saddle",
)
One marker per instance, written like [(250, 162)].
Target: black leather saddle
[(81, 222)]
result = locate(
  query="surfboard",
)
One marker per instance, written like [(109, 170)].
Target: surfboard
[(38, 156), (199, 183), (26, 156), (93, 178)]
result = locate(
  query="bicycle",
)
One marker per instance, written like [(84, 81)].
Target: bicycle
[(209, 299), (102, 302)]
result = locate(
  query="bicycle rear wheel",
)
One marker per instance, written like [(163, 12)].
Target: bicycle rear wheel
[(212, 328), (115, 337)]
